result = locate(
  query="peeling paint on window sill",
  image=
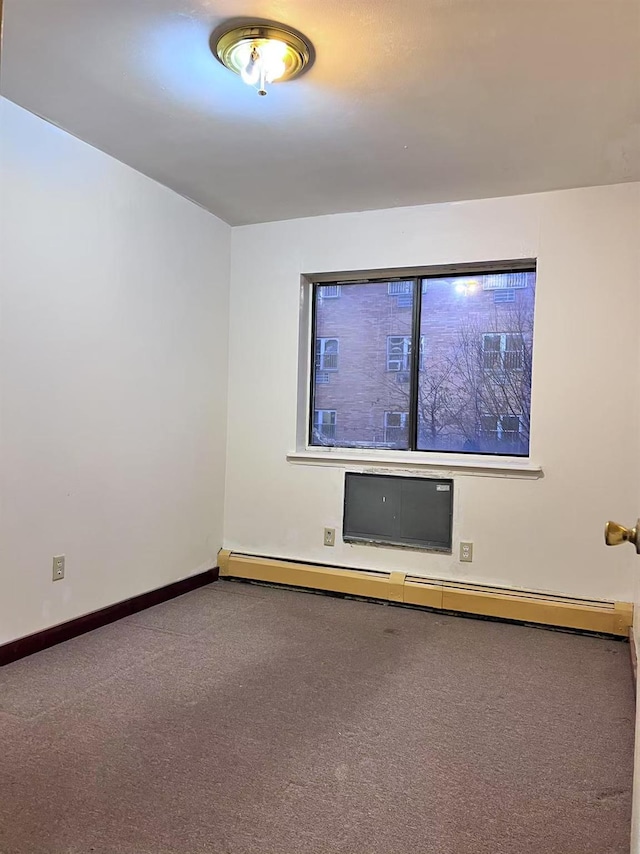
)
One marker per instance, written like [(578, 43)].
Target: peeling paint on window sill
[(414, 461)]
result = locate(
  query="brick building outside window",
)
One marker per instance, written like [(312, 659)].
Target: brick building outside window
[(471, 388)]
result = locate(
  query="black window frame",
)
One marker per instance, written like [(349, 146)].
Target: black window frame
[(419, 278)]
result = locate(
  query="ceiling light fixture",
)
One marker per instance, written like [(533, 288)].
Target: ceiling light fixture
[(262, 53)]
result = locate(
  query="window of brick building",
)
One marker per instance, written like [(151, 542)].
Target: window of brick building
[(327, 354), (504, 296), (400, 288), (467, 389), (324, 424), (503, 351), (329, 291), (396, 425), (504, 429), (399, 353)]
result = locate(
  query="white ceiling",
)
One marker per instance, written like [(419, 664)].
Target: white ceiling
[(409, 101)]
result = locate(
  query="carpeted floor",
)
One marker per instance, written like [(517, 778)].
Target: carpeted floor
[(241, 719)]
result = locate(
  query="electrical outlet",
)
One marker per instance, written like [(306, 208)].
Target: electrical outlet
[(58, 567), (329, 536), (466, 552)]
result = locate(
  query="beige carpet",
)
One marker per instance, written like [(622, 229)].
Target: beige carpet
[(241, 719)]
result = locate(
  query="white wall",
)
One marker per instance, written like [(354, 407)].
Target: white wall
[(538, 534), (113, 354)]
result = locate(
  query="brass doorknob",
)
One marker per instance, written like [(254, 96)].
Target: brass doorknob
[(615, 534)]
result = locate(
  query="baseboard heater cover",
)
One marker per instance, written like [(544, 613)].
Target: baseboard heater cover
[(613, 618)]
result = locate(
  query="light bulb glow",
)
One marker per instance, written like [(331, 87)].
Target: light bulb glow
[(263, 62), (465, 287), (262, 53), (273, 58), (250, 72)]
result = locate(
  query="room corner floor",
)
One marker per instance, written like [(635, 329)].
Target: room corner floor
[(241, 719)]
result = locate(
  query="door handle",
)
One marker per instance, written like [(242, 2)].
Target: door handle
[(615, 534)]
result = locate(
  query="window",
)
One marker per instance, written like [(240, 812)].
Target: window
[(327, 354), (503, 281), (502, 351), (324, 425), (396, 425), (504, 296), (501, 429), (395, 289), (329, 291), (472, 392), (399, 353)]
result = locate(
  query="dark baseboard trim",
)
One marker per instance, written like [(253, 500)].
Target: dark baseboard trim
[(22, 647)]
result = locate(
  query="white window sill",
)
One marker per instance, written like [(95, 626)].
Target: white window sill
[(479, 466)]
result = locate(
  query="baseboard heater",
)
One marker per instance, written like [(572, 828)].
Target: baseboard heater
[(613, 618)]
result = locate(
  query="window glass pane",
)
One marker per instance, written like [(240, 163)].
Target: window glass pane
[(327, 354), (504, 296), (491, 342), (398, 353), (400, 288), (514, 352), (324, 426), (396, 427), (369, 365), (510, 422), (474, 389), (488, 424), (328, 291)]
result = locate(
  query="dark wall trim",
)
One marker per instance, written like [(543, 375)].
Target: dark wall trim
[(22, 647)]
